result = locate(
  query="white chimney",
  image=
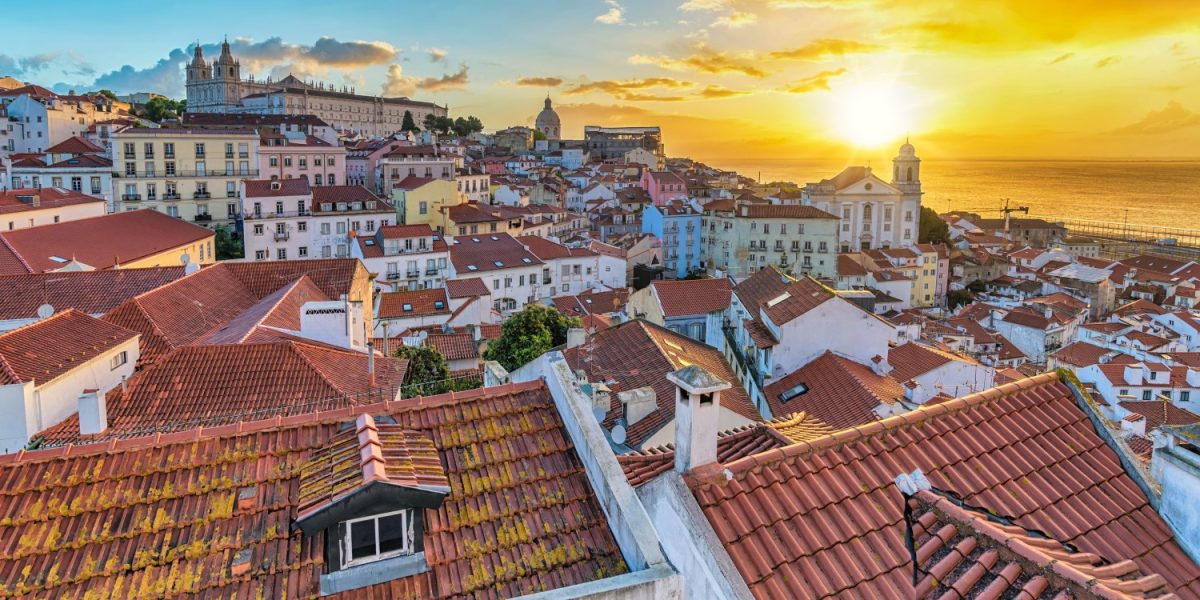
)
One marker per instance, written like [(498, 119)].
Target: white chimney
[(1133, 374), (880, 365), (697, 414), (638, 404), (93, 413), (576, 337), (1134, 424)]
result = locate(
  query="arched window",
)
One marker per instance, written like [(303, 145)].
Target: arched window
[(866, 211), (910, 173)]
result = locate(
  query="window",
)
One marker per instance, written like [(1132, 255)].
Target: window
[(1185, 396), (424, 207), (324, 228), (302, 226), (199, 150), (118, 359), (260, 254), (258, 229), (281, 253), (1147, 395)]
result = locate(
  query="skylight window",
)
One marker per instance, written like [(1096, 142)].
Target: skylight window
[(498, 263), (792, 392), (471, 267), (59, 259), (438, 304), (778, 299), (526, 261), (407, 308)]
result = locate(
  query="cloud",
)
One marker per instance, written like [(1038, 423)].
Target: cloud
[(704, 5), (735, 20), (821, 48), (1172, 118), (611, 86), (331, 52), (30, 65), (165, 76), (399, 84), (1107, 60), (1061, 58), (716, 91), (614, 16), (437, 55), (450, 81), (814, 83), (539, 81), (706, 60)]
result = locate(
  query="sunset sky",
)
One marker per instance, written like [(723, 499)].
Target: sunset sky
[(724, 78)]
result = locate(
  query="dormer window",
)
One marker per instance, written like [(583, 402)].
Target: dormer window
[(377, 537)]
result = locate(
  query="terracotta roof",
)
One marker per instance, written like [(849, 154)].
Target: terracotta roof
[(454, 346), (848, 267), (784, 211), (520, 517), (763, 285), (912, 360), (1137, 307), (99, 242), (1080, 354), (547, 250), (219, 384), (467, 287), (391, 232), (90, 292), (1106, 327), (644, 465), (848, 176), (49, 348), (636, 354), (824, 518), (591, 302), (960, 549), (796, 300), (413, 303), (839, 391), (268, 188), (1160, 412), (412, 182), (20, 200), (335, 276), (280, 310), (686, 297), (345, 193), (489, 253)]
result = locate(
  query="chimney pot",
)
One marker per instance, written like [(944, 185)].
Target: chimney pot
[(697, 416), (93, 413), (576, 337)]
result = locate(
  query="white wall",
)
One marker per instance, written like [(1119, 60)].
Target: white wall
[(835, 325)]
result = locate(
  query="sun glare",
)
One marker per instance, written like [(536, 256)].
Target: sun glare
[(869, 114)]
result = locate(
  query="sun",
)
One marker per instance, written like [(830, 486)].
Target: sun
[(871, 113)]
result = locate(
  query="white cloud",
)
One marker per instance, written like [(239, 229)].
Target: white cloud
[(615, 14)]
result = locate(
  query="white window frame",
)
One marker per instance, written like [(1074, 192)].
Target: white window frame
[(409, 547)]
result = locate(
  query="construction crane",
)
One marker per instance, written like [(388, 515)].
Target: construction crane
[(1006, 210)]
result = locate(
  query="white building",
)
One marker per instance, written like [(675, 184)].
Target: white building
[(404, 257), (874, 213), (40, 118), (288, 219), (22, 208), (75, 164), (515, 276), (59, 366)]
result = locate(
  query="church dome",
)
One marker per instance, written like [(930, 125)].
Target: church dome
[(547, 121), (907, 149)]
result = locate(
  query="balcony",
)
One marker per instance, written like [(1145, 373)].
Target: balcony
[(431, 272), (130, 156), (171, 196), (282, 236), (277, 215), (229, 154), (230, 194), (413, 274), (131, 197), (202, 218), (201, 196), (393, 276), (179, 173)]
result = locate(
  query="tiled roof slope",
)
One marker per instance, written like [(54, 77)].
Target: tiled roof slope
[(99, 242), (454, 346), (91, 292), (420, 302), (686, 297), (47, 349), (841, 392), (824, 519), (279, 310), (1160, 412), (912, 360), (160, 515), (636, 354), (466, 287), (335, 276), (963, 554), (212, 385)]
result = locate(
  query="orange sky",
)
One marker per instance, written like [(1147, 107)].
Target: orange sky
[(815, 78)]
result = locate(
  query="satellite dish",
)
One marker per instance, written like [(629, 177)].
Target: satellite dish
[(189, 268), (618, 434), (599, 413), (185, 259), (44, 311)]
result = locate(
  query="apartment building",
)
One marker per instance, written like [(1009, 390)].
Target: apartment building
[(289, 219), (743, 239), (294, 155), (404, 257), (188, 173)]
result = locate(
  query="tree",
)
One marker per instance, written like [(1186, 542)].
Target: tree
[(933, 230), (428, 373), (111, 95), (538, 135), (957, 298), (408, 124), (529, 334), (474, 125), (461, 128), (430, 122), (159, 109), (226, 246)]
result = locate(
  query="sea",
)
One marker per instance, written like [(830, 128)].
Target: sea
[(1159, 193)]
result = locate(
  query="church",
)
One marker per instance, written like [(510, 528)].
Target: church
[(219, 88), (874, 213)]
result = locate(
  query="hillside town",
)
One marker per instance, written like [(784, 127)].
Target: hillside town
[(297, 341)]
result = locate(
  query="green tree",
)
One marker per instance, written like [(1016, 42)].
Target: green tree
[(528, 334), (957, 298), (108, 93), (538, 135), (430, 122), (474, 125), (428, 372), (226, 246), (408, 124), (933, 230), (160, 109), (461, 127)]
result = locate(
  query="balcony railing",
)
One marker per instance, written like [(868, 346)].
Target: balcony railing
[(277, 215), (171, 196), (131, 197), (412, 274), (282, 236), (201, 195), (180, 173), (392, 276), (203, 218), (431, 271)]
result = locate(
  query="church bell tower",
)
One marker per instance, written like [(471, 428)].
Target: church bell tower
[(906, 170)]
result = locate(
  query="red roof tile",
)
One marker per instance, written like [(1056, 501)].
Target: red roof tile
[(21, 200), (483, 252), (454, 346), (99, 242), (49, 348), (521, 516), (784, 211), (637, 354), (408, 303), (467, 287), (840, 392), (269, 188), (796, 300), (90, 292), (687, 297), (1024, 450), (74, 145), (1159, 413), (643, 466), (912, 359)]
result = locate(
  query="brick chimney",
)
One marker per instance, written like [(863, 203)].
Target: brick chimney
[(697, 415)]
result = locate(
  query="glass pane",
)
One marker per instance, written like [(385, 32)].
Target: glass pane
[(393, 533), (362, 539)]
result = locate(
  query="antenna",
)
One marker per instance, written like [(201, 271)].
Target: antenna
[(44, 311)]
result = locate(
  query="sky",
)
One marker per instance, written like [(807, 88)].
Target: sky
[(725, 79)]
